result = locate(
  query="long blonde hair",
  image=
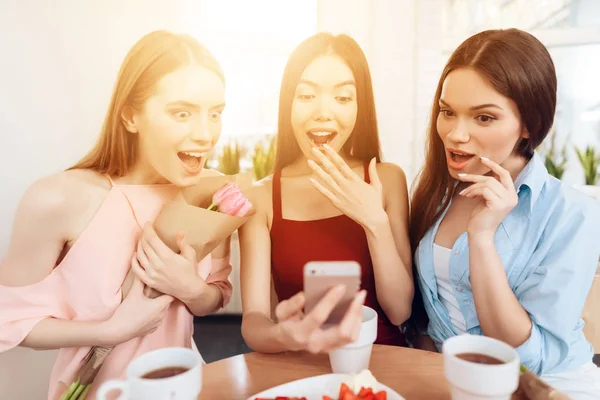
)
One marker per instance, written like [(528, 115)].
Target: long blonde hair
[(152, 57)]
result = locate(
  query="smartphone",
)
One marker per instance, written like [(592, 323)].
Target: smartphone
[(321, 276)]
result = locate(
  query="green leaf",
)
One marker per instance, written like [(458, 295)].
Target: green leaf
[(229, 159), (263, 159), (589, 161)]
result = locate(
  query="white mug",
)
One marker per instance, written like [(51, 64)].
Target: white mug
[(185, 386), (476, 381), (355, 357)]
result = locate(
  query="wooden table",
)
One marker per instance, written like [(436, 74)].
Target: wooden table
[(415, 374)]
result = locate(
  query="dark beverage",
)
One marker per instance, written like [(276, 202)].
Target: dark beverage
[(166, 372), (479, 358)]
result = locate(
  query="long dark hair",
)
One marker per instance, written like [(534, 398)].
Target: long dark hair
[(363, 143), (519, 67)]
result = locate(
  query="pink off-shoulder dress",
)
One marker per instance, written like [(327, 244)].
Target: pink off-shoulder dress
[(86, 286)]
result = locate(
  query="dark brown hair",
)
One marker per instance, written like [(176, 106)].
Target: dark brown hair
[(519, 67), (363, 143)]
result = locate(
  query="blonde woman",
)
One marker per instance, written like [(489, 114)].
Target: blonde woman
[(77, 233)]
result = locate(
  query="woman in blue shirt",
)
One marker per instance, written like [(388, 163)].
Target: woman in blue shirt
[(502, 248)]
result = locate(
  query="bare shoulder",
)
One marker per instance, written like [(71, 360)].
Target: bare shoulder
[(50, 215), (62, 193), (392, 176), (260, 194)]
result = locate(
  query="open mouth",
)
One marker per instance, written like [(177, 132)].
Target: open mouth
[(319, 138), (192, 161), (460, 156)]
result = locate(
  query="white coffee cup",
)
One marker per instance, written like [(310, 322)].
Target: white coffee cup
[(476, 381), (355, 357), (185, 386)]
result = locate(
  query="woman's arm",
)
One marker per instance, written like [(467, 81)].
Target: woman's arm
[(389, 247), (42, 223), (293, 330), (384, 217), (551, 299), (136, 316), (258, 329), (500, 314), (45, 220), (539, 317), (215, 292)]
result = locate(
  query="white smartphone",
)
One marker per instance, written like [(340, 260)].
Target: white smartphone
[(321, 276)]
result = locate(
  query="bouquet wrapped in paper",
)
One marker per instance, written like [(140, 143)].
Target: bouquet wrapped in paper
[(207, 213)]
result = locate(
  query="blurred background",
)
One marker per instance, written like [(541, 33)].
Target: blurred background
[(60, 59)]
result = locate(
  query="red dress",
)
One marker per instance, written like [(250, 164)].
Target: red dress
[(339, 238)]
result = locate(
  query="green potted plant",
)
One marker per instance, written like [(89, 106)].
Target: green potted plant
[(590, 160), (263, 159), (556, 164), (229, 159)]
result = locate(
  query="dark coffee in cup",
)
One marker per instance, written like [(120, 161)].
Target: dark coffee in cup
[(166, 372), (479, 358)]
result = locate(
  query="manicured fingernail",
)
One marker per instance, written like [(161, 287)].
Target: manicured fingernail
[(484, 158), (362, 295), (315, 150), (461, 192), (461, 175), (328, 147), (311, 163)]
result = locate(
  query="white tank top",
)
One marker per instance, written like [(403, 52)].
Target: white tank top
[(441, 265)]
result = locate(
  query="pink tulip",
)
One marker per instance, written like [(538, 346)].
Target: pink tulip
[(230, 200)]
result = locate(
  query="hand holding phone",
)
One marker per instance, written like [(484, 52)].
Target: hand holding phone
[(321, 276), (307, 331)]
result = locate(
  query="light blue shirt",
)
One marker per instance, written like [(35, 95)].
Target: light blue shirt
[(549, 245)]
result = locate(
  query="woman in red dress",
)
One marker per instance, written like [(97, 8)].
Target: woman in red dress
[(330, 199)]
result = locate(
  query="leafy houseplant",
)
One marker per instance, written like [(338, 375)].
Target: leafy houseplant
[(590, 160), (556, 168), (555, 162), (229, 159), (263, 159)]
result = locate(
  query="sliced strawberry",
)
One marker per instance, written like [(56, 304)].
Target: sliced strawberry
[(348, 396), (365, 392), (381, 395), (344, 389), (327, 398)]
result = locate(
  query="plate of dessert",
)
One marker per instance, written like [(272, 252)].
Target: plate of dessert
[(361, 386)]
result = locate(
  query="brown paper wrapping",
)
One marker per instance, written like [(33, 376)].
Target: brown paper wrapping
[(204, 230)]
